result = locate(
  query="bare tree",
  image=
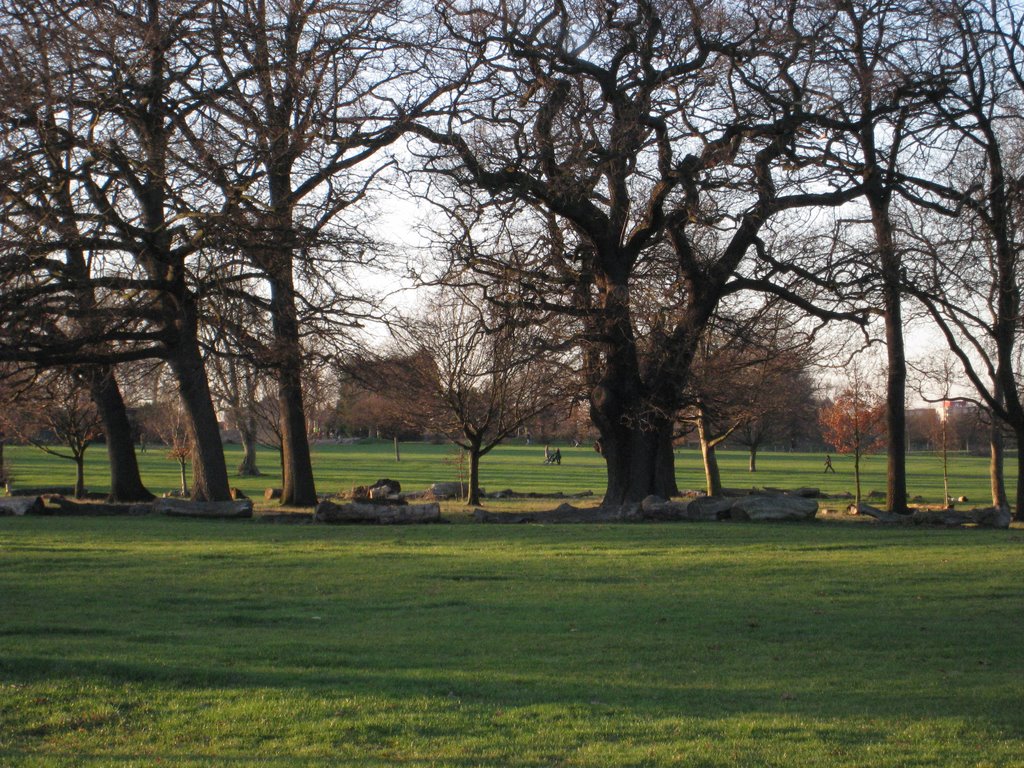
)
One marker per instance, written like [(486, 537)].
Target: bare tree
[(121, 99), (237, 386), (634, 133), (45, 244), (879, 64), (743, 380), (167, 422), (308, 97), (971, 275), (472, 377), (54, 405)]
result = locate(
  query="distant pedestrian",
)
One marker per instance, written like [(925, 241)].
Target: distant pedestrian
[(558, 456), (828, 465), (547, 454)]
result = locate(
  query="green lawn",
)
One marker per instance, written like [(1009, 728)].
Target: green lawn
[(520, 467), (155, 641)]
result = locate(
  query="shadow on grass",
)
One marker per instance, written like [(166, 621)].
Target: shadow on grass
[(623, 632), (701, 693)]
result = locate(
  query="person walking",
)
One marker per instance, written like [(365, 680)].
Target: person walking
[(828, 465)]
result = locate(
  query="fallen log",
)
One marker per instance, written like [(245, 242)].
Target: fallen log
[(508, 493), (214, 510), (62, 506), (880, 515), (807, 492), (703, 509), (451, 490), (377, 514), (21, 505), (564, 513), (43, 490), (738, 491), (774, 509), (985, 517)]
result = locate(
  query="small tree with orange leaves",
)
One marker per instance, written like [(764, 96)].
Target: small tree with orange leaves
[(855, 423)]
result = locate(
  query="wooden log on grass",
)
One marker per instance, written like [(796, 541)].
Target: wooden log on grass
[(564, 513), (21, 505), (219, 510), (805, 492), (775, 509), (44, 490), (985, 517), (702, 509), (63, 506), (355, 513), (879, 514)]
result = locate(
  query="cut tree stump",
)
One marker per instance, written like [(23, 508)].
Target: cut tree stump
[(21, 505), (219, 510), (272, 494), (377, 514)]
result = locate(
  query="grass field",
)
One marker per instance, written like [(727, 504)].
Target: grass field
[(154, 641), (157, 641), (520, 467)]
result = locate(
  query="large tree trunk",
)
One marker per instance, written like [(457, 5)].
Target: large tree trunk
[(298, 488), (896, 377), (473, 491), (636, 438), (125, 480), (895, 407), (638, 464), (209, 471), (665, 471)]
